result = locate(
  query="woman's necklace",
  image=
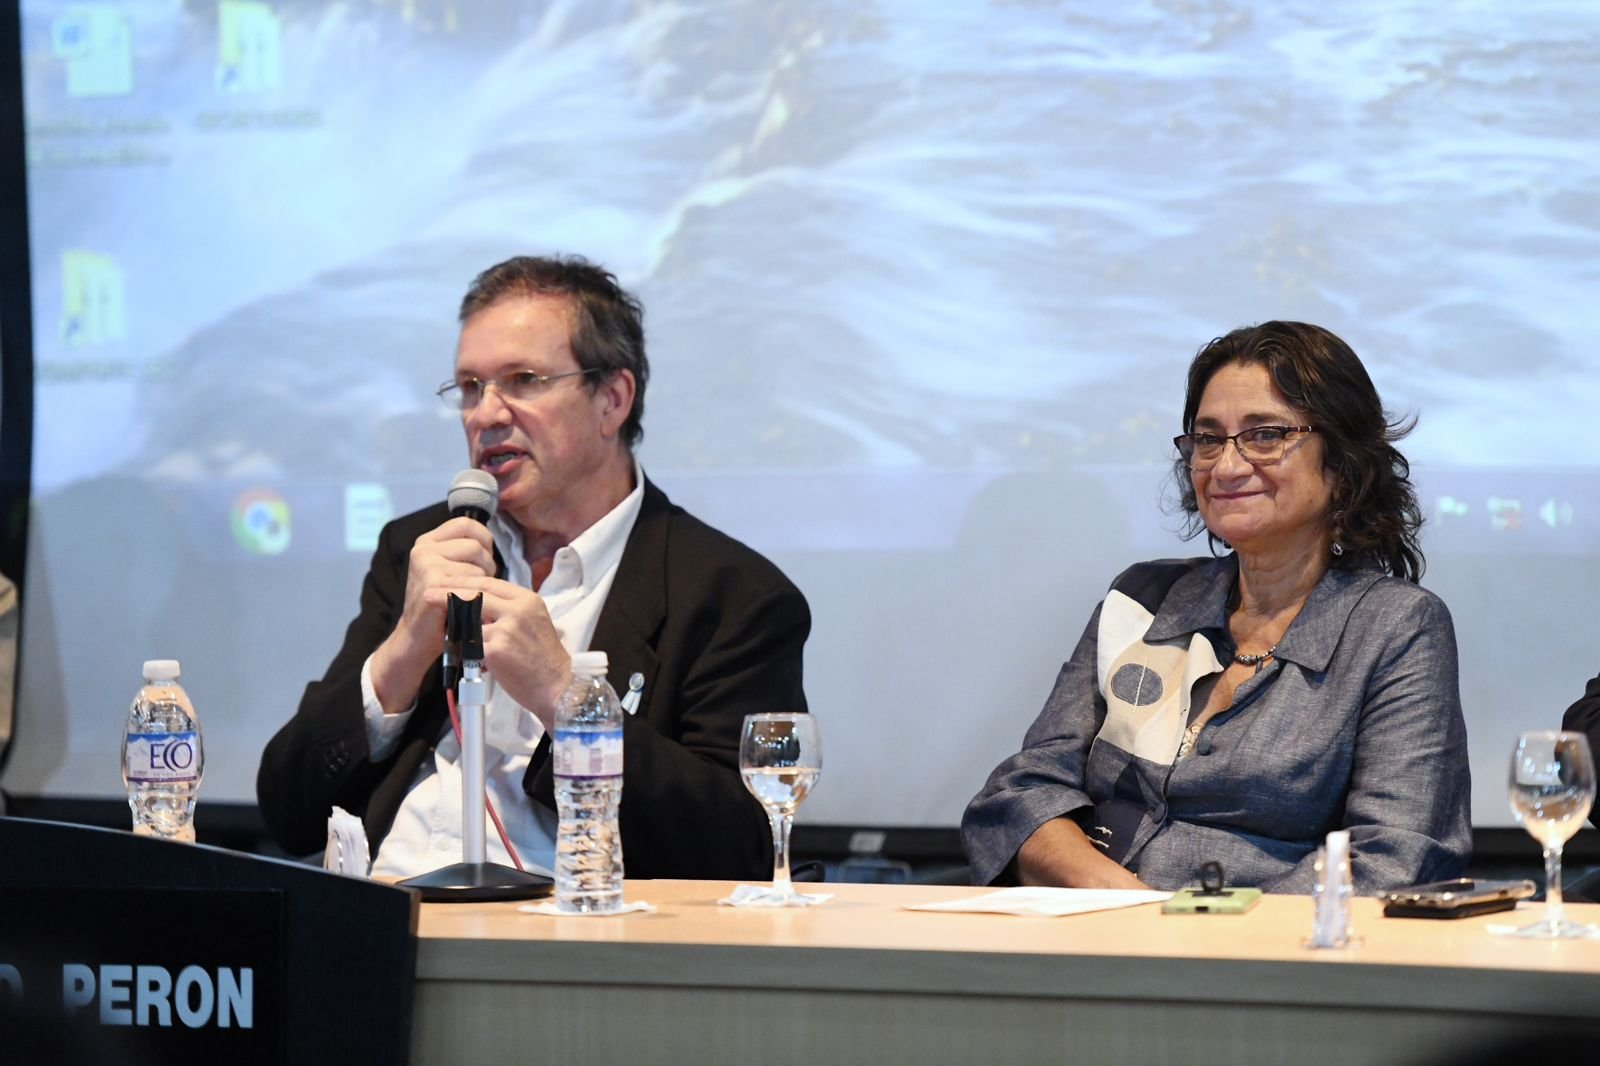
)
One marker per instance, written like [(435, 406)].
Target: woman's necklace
[(1254, 660)]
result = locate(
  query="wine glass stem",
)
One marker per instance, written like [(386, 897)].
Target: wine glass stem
[(781, 824), (1552, 886)]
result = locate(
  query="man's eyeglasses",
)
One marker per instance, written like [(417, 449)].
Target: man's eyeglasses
[(1259, 444), (464, 394)]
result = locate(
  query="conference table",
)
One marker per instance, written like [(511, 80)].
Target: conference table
[(861, 979)]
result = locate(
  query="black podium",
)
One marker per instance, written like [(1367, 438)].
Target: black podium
[(117, 948)]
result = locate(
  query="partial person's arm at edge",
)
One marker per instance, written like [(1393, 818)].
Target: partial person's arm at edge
[(1584, 717)]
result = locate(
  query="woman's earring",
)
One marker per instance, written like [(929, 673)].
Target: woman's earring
[(1337, 549)]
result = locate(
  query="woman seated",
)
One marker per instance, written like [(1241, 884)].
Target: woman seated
[(1240, 708)]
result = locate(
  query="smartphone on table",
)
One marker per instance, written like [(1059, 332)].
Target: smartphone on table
[(1460, 898), (1219, 901)]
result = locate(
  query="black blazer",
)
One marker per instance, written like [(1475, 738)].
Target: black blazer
[(1584, 717), (716, 630)]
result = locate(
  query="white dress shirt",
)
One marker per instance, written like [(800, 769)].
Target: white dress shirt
[(427, 829)]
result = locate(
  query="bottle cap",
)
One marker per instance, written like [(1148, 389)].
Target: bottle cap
[(590, 664), (161, 669)]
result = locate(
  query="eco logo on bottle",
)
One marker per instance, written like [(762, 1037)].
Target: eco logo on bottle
[(261, 522), (162, 757)]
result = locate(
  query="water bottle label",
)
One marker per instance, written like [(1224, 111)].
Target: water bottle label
[(585, 754), (162, 757)]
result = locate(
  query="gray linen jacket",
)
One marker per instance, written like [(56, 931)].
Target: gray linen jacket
[(1355, 724)]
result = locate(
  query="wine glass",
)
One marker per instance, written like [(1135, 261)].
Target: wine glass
[(780, 758), (1552, 789)]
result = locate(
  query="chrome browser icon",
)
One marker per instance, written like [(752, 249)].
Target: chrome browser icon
[(261, 522)]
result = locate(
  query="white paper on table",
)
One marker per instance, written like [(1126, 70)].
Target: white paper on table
[(1046, 902)]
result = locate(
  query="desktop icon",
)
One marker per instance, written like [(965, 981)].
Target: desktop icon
[(1505, 515), (1451, 507), (249, 41), (261, 522), (91, 299), (95, 42), (1556, 513), (367, 509)]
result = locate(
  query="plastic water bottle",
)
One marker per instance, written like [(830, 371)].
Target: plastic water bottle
[(162, 755), (587, 749)]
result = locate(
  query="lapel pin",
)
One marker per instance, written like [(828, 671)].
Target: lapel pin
[(630, 702)]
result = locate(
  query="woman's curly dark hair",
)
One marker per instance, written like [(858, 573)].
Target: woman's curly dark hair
[(1374, 513)]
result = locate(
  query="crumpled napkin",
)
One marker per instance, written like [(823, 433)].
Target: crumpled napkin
[(548, 906), (347, 845), (1046, 902), (767, 896)]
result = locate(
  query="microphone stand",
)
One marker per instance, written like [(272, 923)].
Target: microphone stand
[(474, 878)]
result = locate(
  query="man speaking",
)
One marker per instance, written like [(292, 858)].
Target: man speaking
[(584, 553)]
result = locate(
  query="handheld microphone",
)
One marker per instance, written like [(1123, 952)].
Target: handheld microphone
[(475, 494)]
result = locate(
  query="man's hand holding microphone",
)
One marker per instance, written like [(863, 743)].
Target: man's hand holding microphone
[(522, 650)]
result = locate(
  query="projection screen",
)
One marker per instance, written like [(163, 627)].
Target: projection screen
[(921, 284)]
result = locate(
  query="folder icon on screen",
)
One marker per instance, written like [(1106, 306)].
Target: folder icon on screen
[(248, 47), (95, 43), (91, 299)]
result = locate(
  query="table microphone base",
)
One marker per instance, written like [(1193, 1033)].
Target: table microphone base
[(478, 882)]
